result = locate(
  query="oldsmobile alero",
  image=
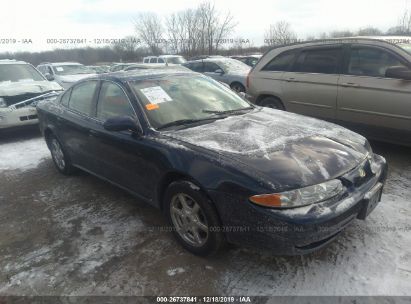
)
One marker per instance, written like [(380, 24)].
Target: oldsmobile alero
[(222, 170)]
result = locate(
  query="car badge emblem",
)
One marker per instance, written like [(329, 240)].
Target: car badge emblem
[(362, 172)]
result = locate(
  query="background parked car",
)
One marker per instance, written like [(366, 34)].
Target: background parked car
[(65, 73), (170, 59), (250, 60), (99, 69), (21, 87), (120, 66), (145, 66), (227, 70), (363, 83)]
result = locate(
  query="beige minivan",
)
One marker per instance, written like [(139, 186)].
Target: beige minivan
[(363, 83)]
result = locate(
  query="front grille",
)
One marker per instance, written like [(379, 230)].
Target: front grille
[(29, 117), (11, 100), (359, 175)]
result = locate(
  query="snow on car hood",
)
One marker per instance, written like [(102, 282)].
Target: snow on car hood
[(8, 88), (300, 150), (75, 77)]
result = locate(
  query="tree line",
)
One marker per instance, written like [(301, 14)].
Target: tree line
[(202, 30)]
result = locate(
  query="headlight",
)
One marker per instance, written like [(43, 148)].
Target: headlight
[(299, 197), (2, 103)]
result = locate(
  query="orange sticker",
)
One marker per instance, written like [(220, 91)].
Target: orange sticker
[(152, 106)]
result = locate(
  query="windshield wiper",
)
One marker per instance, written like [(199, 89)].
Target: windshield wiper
[(182, 122), (228, 111)]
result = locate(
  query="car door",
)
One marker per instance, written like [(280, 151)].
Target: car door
[(120, 156), (370, 101), (210, 68), (74, 126), (310, 87)]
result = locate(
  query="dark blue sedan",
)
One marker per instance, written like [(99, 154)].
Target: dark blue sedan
[(221, 169)]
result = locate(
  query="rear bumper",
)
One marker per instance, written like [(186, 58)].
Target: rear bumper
[(294, 231), (18, 117)]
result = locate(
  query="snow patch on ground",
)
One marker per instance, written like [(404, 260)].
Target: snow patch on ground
[(23, 155), (173, 271)]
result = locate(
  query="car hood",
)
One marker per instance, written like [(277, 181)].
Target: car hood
[(287, 150), (8, 88), (75, 77)]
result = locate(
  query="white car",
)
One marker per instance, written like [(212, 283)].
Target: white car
[(65, 73), (21, 87), (165, 59)]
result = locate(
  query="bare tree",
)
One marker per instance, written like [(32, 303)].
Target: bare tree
[(150, 30), (341, 34), (404, 23), (280, 33), (369, 31)]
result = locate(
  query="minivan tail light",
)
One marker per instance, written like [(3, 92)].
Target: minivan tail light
[(247, 82)]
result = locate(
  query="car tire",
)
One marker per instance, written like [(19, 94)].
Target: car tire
[(272, 102), (237, 87), (59, 156), (193, 218)]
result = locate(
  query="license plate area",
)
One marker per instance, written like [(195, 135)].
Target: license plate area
[(371, 200)]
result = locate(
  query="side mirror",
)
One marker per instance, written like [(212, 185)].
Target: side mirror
[(398, 73), (49, 77), (219, 71), (122, 123)]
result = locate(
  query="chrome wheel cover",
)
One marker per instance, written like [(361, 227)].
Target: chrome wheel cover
[(189, 220)]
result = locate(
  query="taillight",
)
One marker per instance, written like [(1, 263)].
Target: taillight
[(247, 82)]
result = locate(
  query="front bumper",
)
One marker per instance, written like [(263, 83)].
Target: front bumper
[(299, 230), (17, 117)]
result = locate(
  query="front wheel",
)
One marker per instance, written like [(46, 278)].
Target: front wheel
[(237, 87), (193, 218)]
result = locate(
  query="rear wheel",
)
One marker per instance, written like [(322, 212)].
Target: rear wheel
[(193, 218), (272, 102), (60, 158)]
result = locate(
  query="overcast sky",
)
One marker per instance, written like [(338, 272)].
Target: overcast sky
[(94, 19)]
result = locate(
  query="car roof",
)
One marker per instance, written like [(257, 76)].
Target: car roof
[(212, 59), (169, 56), (141, 74), (12, 61), (60, 63)]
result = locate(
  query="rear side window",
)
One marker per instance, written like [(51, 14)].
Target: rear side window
[(113, 102), (65, 98), (160, 60), (195, 66), (81, 98), (281, 62), (323, 61), (211, 67), (368, 61)]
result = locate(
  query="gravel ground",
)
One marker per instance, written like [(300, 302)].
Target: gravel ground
[(81, 236)]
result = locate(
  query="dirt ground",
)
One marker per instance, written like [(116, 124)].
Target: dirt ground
[(79, 235)]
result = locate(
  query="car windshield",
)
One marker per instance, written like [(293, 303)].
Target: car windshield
[(175, 60), (19, 72), (72, 69), (186, 98), (234, 66), (405, 46)]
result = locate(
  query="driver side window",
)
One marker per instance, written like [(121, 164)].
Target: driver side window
[(368, 61), (113, 102), (211, 67)]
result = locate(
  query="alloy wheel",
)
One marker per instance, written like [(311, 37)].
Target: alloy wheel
[(189, 220)]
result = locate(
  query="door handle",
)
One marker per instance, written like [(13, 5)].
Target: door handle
[(350, 84), (92, 133), (291, 79)]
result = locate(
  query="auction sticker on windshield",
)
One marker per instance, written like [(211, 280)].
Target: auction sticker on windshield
[(156, 95)]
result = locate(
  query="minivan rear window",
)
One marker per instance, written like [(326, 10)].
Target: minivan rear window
[(323, 61)]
